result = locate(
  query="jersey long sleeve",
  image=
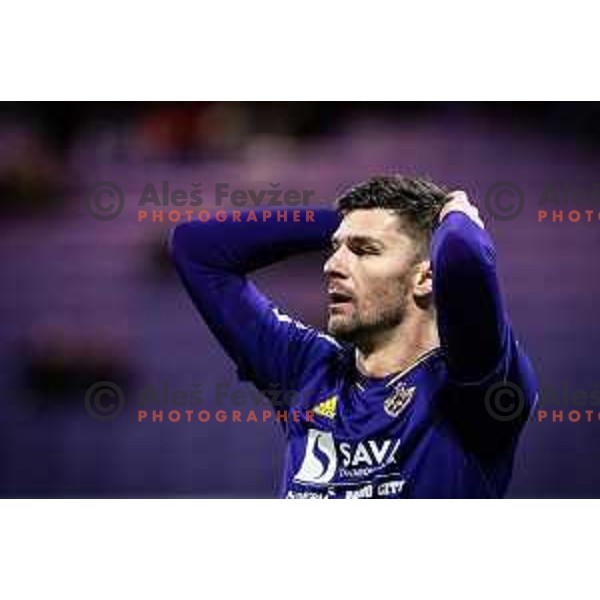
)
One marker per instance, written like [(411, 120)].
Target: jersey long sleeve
[(214, 259), (472, 321)]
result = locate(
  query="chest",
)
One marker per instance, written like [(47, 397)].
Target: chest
[(355, 440)]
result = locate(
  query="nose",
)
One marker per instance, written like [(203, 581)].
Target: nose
[(335, 265)]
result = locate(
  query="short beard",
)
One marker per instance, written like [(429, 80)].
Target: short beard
[(363, 331)]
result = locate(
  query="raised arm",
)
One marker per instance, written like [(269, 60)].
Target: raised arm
[(472, 322), (213, 260)]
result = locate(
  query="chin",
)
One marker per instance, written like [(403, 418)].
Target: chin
[(342, 329)]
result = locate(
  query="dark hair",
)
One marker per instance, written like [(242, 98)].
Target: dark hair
[(417, 201)]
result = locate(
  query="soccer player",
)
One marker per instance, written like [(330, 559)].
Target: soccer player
[(419, 389)]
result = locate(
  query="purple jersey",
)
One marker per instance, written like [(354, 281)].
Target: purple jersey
[(435, 430)]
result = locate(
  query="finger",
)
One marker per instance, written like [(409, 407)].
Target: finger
[(458, 195)]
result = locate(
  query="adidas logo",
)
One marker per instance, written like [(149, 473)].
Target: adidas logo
[(327, 408)]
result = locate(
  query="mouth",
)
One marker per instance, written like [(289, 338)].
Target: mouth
[(339, 299)]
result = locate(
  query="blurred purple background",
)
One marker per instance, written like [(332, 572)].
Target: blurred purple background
[(84, 300)]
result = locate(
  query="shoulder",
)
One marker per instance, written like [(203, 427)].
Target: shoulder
[(311, 346)]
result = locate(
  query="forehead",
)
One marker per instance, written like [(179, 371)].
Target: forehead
[(377, 223)]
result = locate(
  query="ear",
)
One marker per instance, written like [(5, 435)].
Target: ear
[(422, 280)]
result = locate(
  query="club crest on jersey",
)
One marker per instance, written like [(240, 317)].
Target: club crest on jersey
[(396, 402), (327, 408)]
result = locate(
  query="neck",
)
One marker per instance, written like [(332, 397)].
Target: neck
[(397, 349)]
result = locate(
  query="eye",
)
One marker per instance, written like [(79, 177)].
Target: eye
[(365, 250)]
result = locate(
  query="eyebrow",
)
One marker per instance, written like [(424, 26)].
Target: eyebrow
[(360, 239)]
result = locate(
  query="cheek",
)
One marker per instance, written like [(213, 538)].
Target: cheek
[(383, 280), (384, 291)]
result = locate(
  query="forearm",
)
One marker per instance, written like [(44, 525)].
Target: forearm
[(470, 311), (240, 247)]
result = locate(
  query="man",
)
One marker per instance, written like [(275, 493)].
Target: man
[(421, 389)]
